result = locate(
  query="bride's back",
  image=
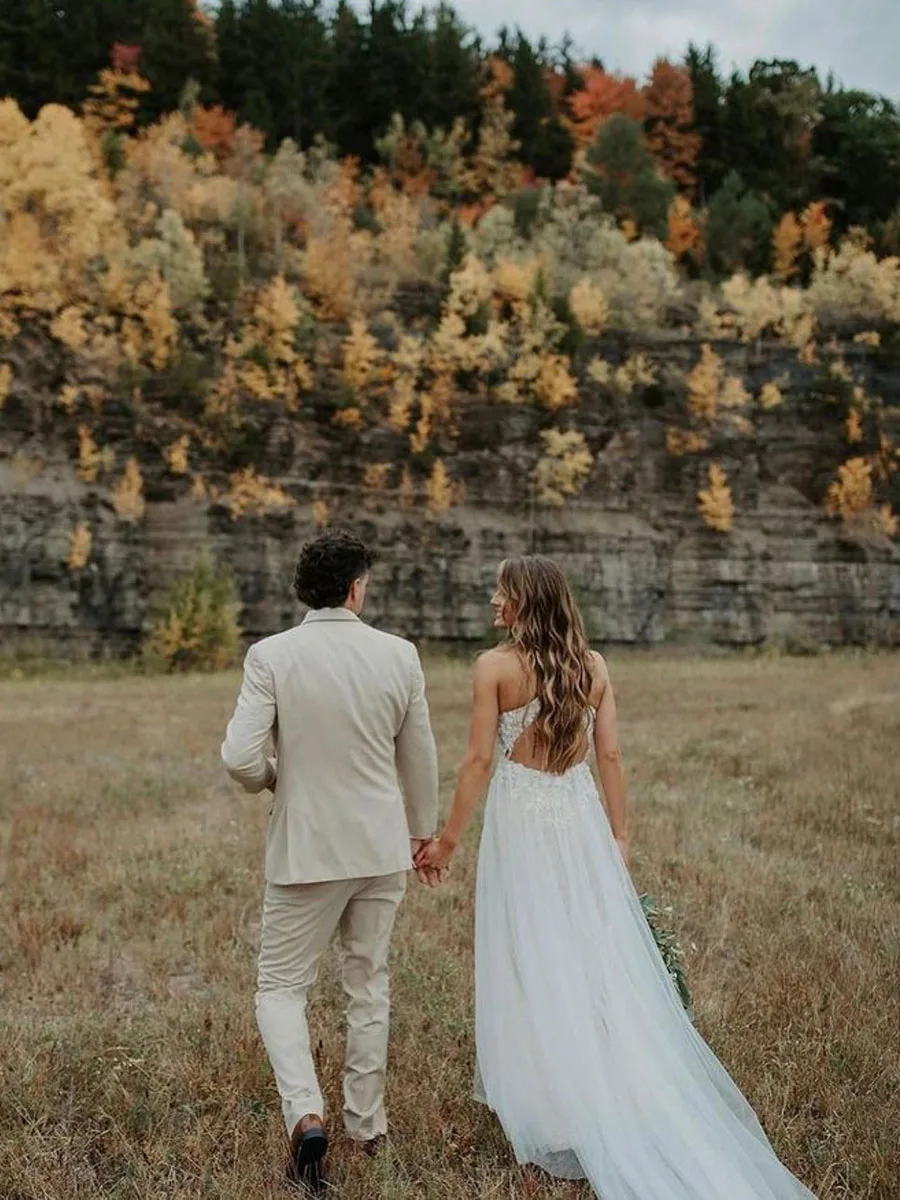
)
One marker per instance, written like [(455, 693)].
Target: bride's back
[(517, 697)]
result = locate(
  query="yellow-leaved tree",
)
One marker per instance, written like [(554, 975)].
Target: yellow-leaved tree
[(715, 502), (60, 223), (6, 379), (853, 492), (80, 543), (254, 495), (491, 171), (128, 494), (589, 306), (564, 467), (712, 392), (441, 490)]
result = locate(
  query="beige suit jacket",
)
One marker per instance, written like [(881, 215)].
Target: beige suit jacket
[(355, 766)]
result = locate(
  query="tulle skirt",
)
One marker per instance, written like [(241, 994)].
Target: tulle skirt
[(584, 1050)]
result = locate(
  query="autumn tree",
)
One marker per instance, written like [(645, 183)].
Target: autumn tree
[(492, 171), (715, 503), (787, 241), (564, 466), (214, 129), (815, 223), (601, 96), (684, 235), (112, 105), (669, 123)]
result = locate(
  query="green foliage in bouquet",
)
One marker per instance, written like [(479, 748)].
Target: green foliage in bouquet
[(669, 947)]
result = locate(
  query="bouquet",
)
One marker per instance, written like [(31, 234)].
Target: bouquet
[(669, 948)]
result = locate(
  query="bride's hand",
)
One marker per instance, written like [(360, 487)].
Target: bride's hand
[(434, 855)]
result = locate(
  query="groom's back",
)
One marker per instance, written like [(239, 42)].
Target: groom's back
[(341, 686), (343, 694)]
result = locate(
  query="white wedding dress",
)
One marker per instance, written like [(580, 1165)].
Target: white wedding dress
[(584, 1050)]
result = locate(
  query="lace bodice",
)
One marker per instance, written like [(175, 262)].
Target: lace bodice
[(553, 800), (515, 721)]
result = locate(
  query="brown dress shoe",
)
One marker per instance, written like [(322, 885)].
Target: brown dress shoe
[(309, 1143)]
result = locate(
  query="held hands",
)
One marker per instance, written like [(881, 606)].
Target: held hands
[(434, 856), (427, 874), (432, 859)]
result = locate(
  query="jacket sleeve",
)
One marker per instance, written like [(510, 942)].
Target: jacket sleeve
[(416, 758), (247, 736)]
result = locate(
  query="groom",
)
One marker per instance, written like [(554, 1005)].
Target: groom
[(355, 787)]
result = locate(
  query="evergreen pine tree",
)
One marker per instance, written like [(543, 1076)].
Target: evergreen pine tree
[(708, 118), (31, 68), (176, 45), (307, 65), (452, 78), (858, 143), (739, 227), (347, 92), (545, 144)]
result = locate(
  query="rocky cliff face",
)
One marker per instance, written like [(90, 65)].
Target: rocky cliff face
[(645, 566)]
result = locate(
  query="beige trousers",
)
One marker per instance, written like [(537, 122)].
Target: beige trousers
[(299, 920)]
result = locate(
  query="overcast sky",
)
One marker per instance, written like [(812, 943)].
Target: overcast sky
[(858, 39)]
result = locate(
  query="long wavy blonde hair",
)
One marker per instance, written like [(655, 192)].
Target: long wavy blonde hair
[(546, 628)]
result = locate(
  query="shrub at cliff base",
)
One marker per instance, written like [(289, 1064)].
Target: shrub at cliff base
[(196, 628)]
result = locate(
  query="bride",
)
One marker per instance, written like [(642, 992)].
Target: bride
[(584, 1050)]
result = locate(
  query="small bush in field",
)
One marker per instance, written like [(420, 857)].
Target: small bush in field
[(197, 628)]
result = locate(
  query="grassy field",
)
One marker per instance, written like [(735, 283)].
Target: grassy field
[(766, 809)]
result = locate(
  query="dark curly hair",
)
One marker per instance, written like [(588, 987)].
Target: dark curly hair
[(328, 567)]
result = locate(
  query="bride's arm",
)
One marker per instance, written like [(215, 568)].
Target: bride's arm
[(474, 769), (609, 762)]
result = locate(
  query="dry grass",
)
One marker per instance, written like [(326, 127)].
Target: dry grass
[(766, 807)]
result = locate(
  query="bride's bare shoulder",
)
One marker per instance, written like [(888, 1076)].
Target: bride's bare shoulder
[(599, 663), (601, 677), (501, 664), (498, 661)]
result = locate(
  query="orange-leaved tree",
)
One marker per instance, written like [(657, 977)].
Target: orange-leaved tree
[(787, 242), (669, 123), (685, 234), (602, 95), (816, 225), (214, 128)]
